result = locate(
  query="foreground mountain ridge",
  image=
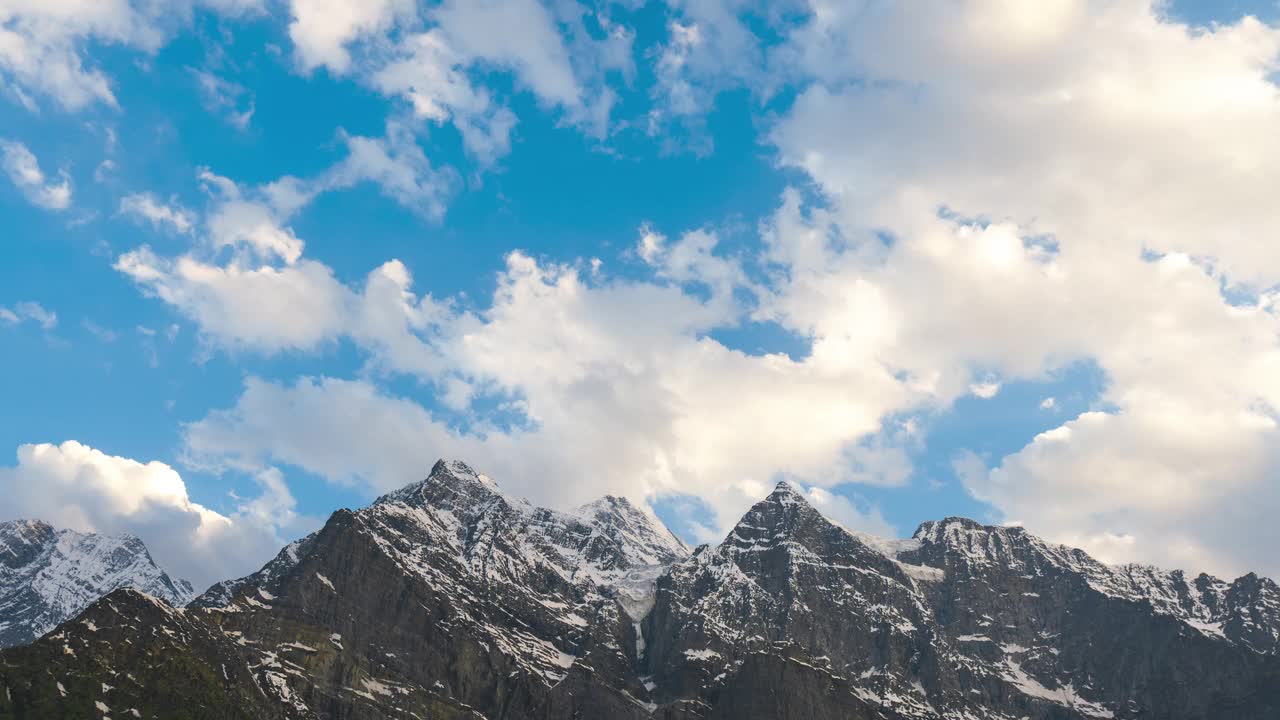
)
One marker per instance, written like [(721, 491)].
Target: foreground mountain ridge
[(449, 598), (48, 576)]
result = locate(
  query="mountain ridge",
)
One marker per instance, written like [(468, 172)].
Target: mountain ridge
[(449, 598), (48, 575)]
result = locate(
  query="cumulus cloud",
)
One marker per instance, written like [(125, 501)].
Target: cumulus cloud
[(997, 194), (614, 384), (75, 486), (23, 169), (428, 73), (322, 30), (1020, 164)]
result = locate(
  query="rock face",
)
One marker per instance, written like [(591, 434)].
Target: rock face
[(48, 576), (451, 599)]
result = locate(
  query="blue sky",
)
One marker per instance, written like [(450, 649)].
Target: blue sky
[(624, 294)]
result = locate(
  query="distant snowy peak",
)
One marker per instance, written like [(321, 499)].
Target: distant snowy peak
[(609, 534), (49, 575), (636, 533), (1245, 611), (461, 517)]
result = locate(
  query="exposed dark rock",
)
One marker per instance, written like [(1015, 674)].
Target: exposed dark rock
[(451, 599)]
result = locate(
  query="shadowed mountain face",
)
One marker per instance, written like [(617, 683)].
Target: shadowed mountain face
[(48, 576), (451, 599)]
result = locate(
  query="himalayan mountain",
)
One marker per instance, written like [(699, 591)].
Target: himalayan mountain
[(452, 599)]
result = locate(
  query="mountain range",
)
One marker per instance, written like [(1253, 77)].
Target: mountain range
[(48, 576), (452, 599)]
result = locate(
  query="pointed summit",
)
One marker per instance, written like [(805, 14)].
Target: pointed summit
[(786, 493), (777, 517), (627, 536), (450, 483)]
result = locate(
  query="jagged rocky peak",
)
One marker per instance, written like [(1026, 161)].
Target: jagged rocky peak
[(784, 508), (784, 534), (962, 541), (48, 575), (451, 483), (619, 522), (21, 540)]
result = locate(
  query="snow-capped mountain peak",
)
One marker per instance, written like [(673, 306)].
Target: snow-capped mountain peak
[(450, 483), (449, 598), (49, 575)]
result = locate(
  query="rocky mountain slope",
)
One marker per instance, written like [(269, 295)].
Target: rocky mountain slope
[(451, 599), (48, 576)]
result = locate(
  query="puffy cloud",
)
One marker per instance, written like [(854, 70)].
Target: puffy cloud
[(613, 388), (1102, 123), (75, 486), (429, 58), (1000, 194), (1173, 485), (42, 42), (345, 431), (23, 169), (428, 73), (398, 166), (292, 307), (322, 30), (32, 311), (263, 294), (146, 206), (516, 34), (1080, 182)]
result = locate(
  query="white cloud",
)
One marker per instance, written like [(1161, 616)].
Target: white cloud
[(23, 169), (43, 42), (1003, 193), (986, 389), (428, 59), (1101, 244), (431, 76), (297, 306), (322, 30), (517, 34), (709, 48), (1049, 403), (31, 311), (616, 388), (146, 206), (1188, 489), (75, 486), (398, 166)]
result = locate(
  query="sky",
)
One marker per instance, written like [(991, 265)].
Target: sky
[(263, 259)]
